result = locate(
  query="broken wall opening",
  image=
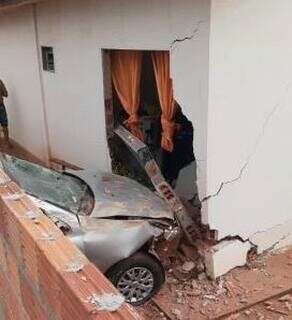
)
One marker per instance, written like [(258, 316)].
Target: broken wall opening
[(178, 166)]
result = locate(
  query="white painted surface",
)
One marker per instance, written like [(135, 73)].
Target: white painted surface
[(19, 71), (225, 256), (250, 116), (184, 186), (73, 95), (79, 30), (246, 111), (277, 237)]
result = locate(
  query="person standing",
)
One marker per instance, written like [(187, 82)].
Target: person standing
[(3, 113), (183, 153)]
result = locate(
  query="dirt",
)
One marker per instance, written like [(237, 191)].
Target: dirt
[(274, 309), (150, 312), (258, 291)]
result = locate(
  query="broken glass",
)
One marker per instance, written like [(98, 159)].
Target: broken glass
[(61, 189)]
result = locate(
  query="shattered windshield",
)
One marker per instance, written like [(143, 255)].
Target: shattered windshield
[(63, 190)]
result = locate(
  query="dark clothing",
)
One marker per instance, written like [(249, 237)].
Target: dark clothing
[(183, 153), (3, 92), (3, 115)]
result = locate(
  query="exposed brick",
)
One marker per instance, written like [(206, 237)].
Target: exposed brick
[(2, 218), (3, 264), (34, 282), (13, 234), (95, 277), (31, 301), (73, 297), (12, 304), (3, 221), (23, 314), (3, 284), (13, 273), (10, 300), (2, 308), (29, 256), (49, 283)]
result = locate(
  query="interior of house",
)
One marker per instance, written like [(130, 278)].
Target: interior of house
[(142, 99)]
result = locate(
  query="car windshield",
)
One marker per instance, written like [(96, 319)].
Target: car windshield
[(60, 189)]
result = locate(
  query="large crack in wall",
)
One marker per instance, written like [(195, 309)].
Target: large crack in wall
[(253, 242), (262, 241), (258, 140), (191, 36)]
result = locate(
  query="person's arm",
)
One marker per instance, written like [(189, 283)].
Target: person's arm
[(4, 90)]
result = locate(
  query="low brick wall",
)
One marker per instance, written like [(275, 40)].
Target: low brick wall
[(37, 280)]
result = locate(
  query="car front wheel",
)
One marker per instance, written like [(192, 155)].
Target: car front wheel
[(138, 277)]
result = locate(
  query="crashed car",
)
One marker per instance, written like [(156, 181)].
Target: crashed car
[(114, 220)]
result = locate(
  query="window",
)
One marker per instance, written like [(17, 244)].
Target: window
[(48, 59)]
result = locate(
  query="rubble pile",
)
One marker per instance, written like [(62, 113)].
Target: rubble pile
[(189, 285), (260, 291)]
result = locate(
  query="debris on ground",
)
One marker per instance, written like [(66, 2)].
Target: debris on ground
[(188, 266), (74, 266), (177, 314), (150, 311), (107, 301), (188, 292), (32, 215), (286, 298)]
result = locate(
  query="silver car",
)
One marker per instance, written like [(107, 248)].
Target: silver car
[(114, 220)]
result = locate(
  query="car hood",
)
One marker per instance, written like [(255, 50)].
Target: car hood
[(120, 196)]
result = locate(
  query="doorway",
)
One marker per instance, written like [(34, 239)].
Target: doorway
[(149, 112)]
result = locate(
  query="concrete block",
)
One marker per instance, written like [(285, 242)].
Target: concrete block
[(225, 256)]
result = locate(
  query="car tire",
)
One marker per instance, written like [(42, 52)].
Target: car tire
[(138, 277)]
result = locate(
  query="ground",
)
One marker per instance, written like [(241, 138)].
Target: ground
[(261, 291)]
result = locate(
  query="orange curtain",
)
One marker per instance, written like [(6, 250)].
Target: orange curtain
[(165, 92), (126, 74)]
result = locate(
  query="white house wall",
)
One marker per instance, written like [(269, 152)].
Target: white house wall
[(19, 70), (249, 123), (234, 84), (79, 30)]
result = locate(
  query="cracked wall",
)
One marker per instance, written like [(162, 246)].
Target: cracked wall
[(75, 90), (249, 122), (181, 27), (189, 54), (232, 77)]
